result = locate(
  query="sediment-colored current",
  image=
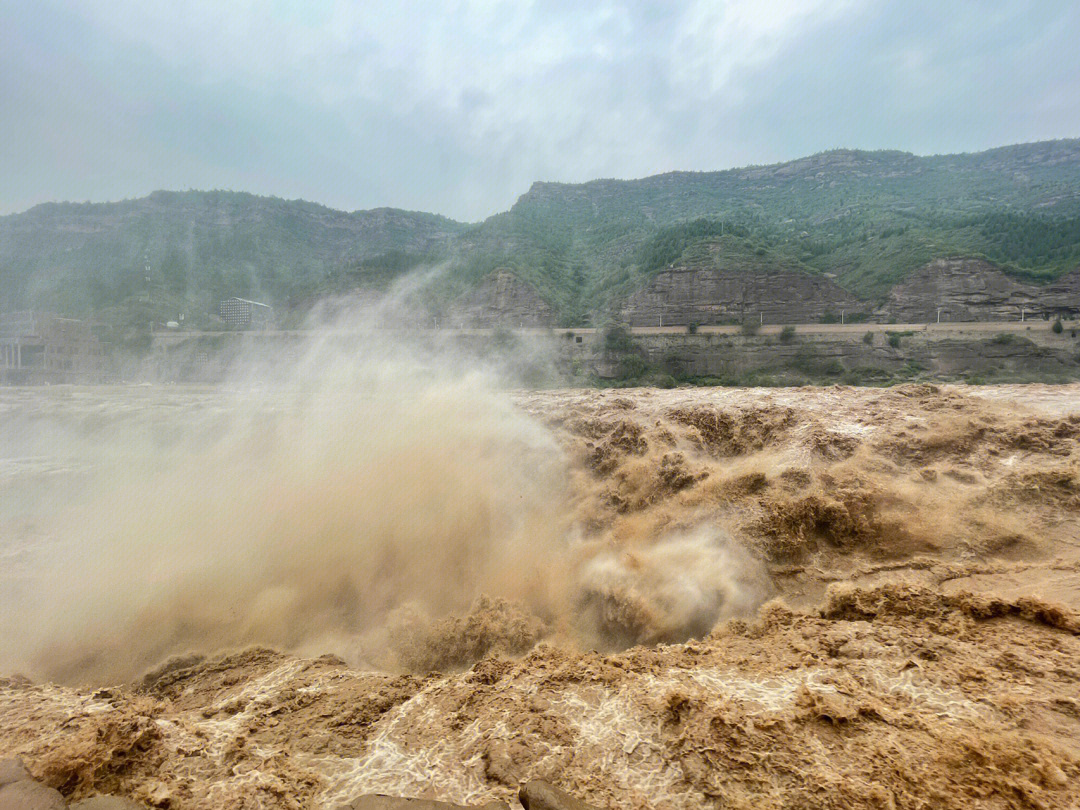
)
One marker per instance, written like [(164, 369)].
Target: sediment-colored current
[(689, 598)]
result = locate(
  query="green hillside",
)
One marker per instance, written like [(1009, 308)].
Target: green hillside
[(869, 218), (181, 252)]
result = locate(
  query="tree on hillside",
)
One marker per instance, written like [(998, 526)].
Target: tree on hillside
[(174, 271)]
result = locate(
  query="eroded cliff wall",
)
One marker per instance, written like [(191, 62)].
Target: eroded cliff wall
[(947, 354), (963, 289), (976, 290), (706, 296), (501, 299)]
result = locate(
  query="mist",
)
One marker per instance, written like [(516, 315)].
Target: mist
[(329, 497)]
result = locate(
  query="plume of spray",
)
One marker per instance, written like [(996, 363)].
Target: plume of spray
[(366, 472), (666, 592)]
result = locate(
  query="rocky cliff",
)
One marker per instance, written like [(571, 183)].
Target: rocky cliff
[(965, 289), (501, 299), (975, 290), (1063, 296), (951, 352), (684, 295)]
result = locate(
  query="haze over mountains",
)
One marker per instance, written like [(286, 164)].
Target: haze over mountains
[(865, 219)]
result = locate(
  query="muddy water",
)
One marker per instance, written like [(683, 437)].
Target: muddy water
[(753, 598)]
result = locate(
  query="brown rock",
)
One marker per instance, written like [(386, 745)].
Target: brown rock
[(537, 795), (12, 770), (30, 795)]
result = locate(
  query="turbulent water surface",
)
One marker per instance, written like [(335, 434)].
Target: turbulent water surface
[(288, 596)]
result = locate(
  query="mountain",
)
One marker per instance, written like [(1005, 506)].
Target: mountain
[(191, 248), (869, 218), (864, 220)]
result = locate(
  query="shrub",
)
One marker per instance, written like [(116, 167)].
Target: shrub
[(664, 381), (691, 328), (912, 368), (672, 363), (787, 334), (1003, 339), (1057, 327), (809, 362), (503, 338), (138, 340), (868, 338), (617, 339), (749, 328), (894, 339), (873, 374), (631, 366)]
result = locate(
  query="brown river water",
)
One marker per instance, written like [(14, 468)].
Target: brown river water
[(689, 598)]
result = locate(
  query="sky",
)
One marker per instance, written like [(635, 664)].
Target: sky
[(458, 106)]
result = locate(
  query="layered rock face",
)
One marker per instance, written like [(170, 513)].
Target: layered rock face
[(684, 295), (951, 353), (501, 299), (963, 289), (1063, 296), (975, 290)]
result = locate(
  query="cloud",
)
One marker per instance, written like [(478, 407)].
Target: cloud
[(458, 106), (714, 42), (494, 72)]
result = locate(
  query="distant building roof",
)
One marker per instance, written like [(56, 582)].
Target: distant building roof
[(246, 301)]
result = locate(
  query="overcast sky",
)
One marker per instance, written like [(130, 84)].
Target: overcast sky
[(457, 107)]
